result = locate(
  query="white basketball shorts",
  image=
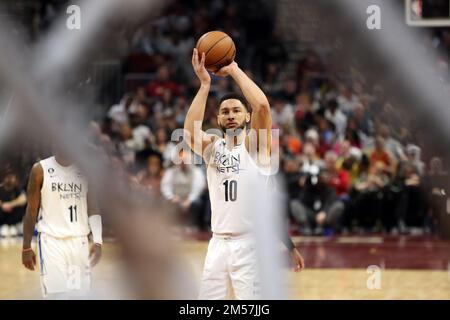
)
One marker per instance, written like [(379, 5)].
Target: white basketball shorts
[(230, 267), (64, 265)]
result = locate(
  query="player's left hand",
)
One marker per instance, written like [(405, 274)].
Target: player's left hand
[(297, 260), (227, 70), (94, 254)]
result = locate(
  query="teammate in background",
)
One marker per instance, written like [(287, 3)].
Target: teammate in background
[(231, 166), (58, 192)]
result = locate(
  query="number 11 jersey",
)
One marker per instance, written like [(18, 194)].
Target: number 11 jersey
[(63, 207)]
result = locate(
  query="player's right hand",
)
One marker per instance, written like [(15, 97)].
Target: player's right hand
[(29, 259), (199, 67), (95, 252), (297, 260)]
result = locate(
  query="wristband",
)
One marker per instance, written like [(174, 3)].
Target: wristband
[(95, 223)]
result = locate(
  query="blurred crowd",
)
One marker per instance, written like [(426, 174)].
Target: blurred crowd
[(351, 161)]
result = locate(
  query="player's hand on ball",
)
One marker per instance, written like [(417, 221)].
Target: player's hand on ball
[(94, 254), (199, 67), (227, 70), (29, 259), (297, 260)]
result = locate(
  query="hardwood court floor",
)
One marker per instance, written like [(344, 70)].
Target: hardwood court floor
[(411, 268)]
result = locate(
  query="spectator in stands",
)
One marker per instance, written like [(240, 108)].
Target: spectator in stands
[(310, 71), (145, 40), (289, 91), (174, 45), (164, 146), (337, 117), (351, 163), (309, 160), (292, 175), (12, 205), (361, 121), (304, 113), (436, 187), (183, 185), (410, 205), (392, 145), (413, 154), (368, 205), (342, 149), (125, 144), (327, 136), (141, 96), (138, 115), (317, 206), (352, 134), (282, 112), (165, 102), (380, 154), (346, 99), (339, 178), (162, 81), (221, 87), (312, 136), (273, 58), (291, 141), (151, 176), (271, 83), (119, 112), (136, 138)]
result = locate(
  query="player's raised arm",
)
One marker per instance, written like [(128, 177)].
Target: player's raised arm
[(195, 137), (34, 199), (261, 116)]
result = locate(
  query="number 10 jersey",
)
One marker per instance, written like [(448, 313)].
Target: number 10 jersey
[(63, 207), (231, 176)]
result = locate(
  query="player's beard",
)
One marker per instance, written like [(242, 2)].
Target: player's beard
[(233, 131)]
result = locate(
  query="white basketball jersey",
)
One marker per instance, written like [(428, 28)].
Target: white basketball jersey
[(231, 176), (63, 209)]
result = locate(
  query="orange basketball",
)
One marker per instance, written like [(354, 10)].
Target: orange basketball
[(219, 49)]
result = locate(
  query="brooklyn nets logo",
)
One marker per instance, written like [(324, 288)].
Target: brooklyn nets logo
[(227, 163)]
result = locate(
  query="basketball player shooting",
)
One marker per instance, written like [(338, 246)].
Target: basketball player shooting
[(58, 192), (230, 263)]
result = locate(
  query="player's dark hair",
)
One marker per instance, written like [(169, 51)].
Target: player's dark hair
[(234, 95)]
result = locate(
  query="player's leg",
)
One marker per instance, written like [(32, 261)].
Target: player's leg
[(52, 265), (79, 270), (215, 283), (244, 271)]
